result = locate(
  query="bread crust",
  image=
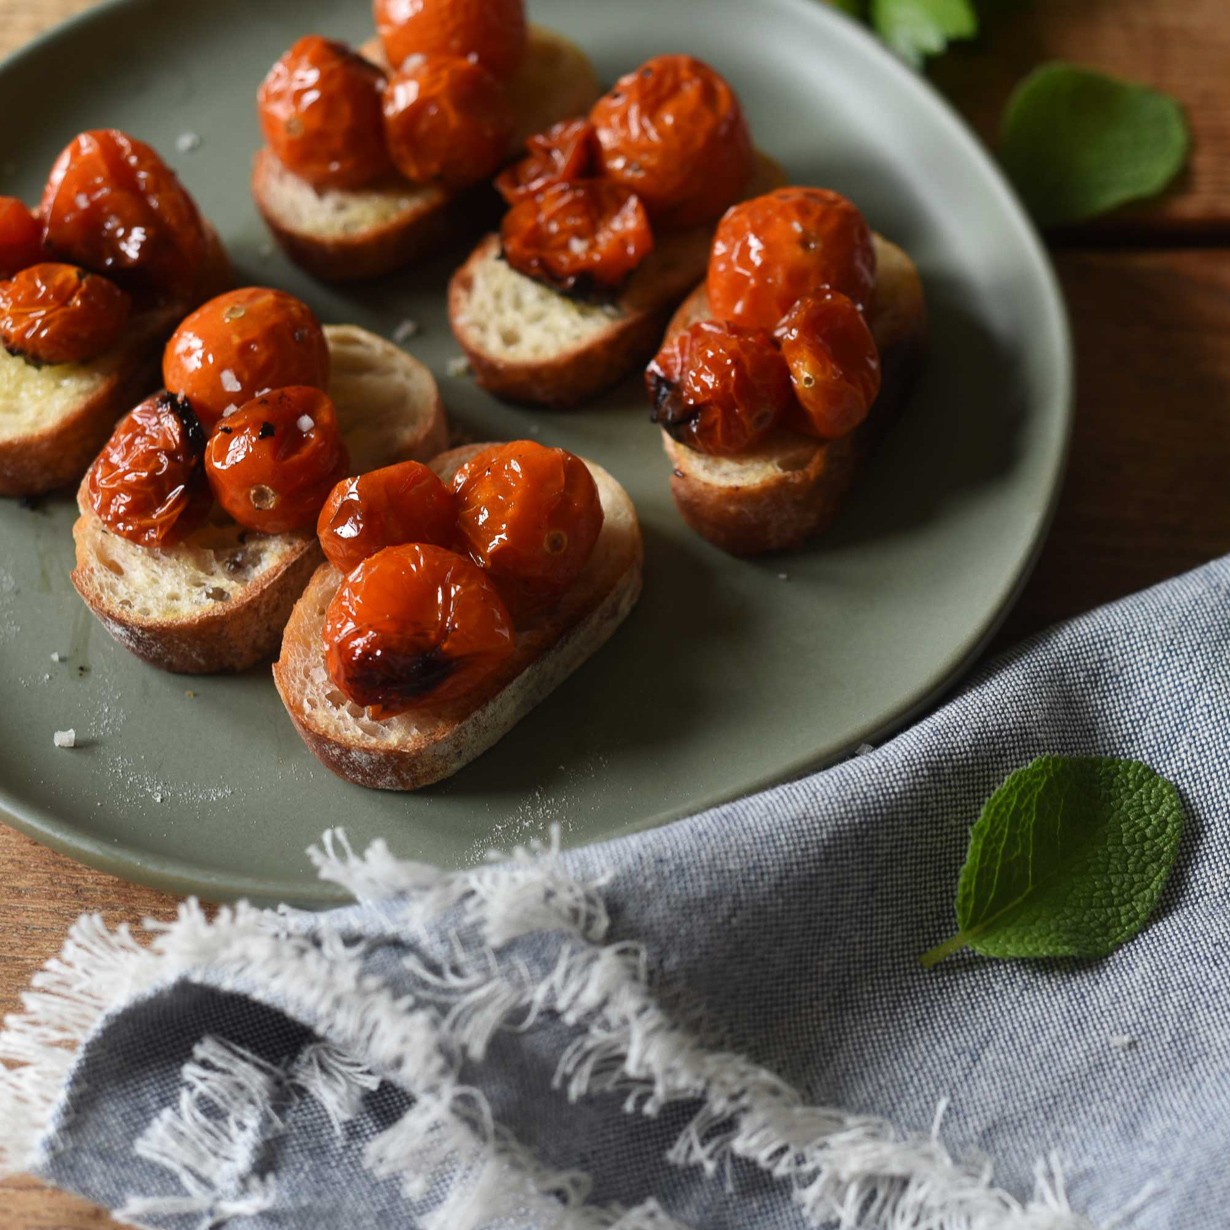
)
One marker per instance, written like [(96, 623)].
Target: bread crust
[(556, 81), (791, 487), (626, 338), (398, 754), (242, 623)]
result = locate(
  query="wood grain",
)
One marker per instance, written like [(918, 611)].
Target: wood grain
[(1146, 493), (1183, 48)]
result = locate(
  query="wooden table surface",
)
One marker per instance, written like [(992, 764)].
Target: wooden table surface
[(1148, 492)]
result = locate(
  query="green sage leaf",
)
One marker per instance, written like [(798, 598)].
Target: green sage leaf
[(1078, 143), (1068, 859), (915, 29)]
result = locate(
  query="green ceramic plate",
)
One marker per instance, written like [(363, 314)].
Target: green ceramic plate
[(729, 675)]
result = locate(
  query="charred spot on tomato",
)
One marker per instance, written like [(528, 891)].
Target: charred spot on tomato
[(181, 407), (400, 678), (267, 430)]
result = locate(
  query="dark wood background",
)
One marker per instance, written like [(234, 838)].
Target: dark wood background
[(1148, 492)]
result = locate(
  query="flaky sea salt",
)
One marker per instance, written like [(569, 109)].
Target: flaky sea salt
[(230, 382), (186, 142), (459, 365), (65, 738), (406, 330), (305, 423)]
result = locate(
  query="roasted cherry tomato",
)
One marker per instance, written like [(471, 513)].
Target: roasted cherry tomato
[(834, 364), (446, 120), (320, 111), (776, 248), (61, 314), (413, 625), (719, 388), (582, 237), (242, 344), (113, 206), (21, 237), (529, 516), (674, 133), (492, 31), (273, 463), (566, 152), (402, 503), (148, 484)]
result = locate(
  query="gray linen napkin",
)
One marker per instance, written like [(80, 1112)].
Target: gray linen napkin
[(720, 1024)]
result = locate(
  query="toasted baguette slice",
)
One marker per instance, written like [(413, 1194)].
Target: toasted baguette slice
[(528, 343), (420, 747), (345, 236), (218, 601), (54, 419), (791, 486)]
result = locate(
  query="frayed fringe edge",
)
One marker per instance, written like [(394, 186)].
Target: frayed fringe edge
[(447, 1139), (856, 1171)]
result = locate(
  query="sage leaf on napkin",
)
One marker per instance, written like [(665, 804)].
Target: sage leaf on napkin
[(1067, 859), (1078, 143), (915, 29)]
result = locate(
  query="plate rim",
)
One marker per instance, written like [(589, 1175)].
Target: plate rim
[(181, 877)]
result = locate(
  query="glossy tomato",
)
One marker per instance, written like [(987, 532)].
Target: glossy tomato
[(447, 121), (53, 313), (113, 206), (241, 345), (415, 625), (774, 249), (492, 31), (320, 111), (673, 132), (530, 517), (719, 388), (580, 237), (21, 237), (406, 502), (148, 483), (273, 463), (834, 364), (566, 152)]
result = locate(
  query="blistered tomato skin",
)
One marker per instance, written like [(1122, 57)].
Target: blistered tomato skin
[(54, 313), (148, 484), (403, 503), (243, 344), (447, 121), (834, 364), (529, 517), (719, 388), (565, 153), (774, 249), (273, 463), (415, 625), (581, 238), (21, 237), (113, 206), (674, 133), (494, 32), (321, 113)]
